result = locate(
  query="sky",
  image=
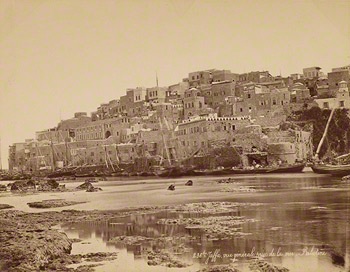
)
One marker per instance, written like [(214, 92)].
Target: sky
[(58, 57)]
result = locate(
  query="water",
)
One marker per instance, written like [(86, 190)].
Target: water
[(301, 223)]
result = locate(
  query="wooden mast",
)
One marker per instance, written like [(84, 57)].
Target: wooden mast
[(324, 134), (164, 142)]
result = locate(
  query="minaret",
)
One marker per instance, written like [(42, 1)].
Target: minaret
[(157, 79)]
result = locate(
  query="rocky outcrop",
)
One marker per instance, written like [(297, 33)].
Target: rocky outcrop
[(263, 266), (18, 254), (158, 257), (189, 183), (5, 206), (88, 187), (52, 203), (23, 185), (219, 268), (36, 185)]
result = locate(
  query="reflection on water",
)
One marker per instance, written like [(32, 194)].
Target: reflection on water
[(306, 231)]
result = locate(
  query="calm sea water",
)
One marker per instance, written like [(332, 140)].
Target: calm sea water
[(302, 223)]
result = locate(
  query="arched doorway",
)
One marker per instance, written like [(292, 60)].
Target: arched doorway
[(108, 134)]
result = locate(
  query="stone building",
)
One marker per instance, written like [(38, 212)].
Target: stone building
[(157, 95), (216, 93), (347, 67), (102, 129), (299, 93), (312, 72), (256, 77), (257, 100), (224, 75), (52, 135), (341, 99), (68, 125), (199, 78), (193, 103), (202, 132), (177, 90), (334, 78)]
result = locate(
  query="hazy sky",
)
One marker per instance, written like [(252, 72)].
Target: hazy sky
[(72, 55)]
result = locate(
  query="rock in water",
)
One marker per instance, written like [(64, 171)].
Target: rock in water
[(85, 186), (219, 268), (171, 187), (261, 265), (93, 189), (23, 185), (5, 206), (52, 203), (189, 183)]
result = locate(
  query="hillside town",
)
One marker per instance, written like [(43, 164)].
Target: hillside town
[(191, 122)]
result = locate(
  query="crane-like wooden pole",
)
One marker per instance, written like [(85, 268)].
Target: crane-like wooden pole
[(324, 134)]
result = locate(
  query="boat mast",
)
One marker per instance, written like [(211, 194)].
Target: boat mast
[(164, 142), (53, 156), (324, 134)]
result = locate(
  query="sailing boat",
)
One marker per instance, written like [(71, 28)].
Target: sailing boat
[(334, 170)]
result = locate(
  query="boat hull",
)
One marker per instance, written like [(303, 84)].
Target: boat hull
[(334, 170), (298, 168)]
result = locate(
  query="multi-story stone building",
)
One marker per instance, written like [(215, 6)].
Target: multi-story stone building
[(256, 77), (201, 132), (216, 93), (341, 100), (157, 95), (299, 93), (334, 78), (102, 129), (257, 100), (193, 103), (312, 72)]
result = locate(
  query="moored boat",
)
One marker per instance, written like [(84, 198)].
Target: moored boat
[(262, 170), (212, 172), (321, 168), (295, 168), (334, 170)]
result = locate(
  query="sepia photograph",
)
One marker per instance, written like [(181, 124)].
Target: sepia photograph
[(175, 135)]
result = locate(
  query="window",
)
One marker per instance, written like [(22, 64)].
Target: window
[(233, 127), (341, 104), (274, 102), (326, 105), (241, 109), (249, 96)]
